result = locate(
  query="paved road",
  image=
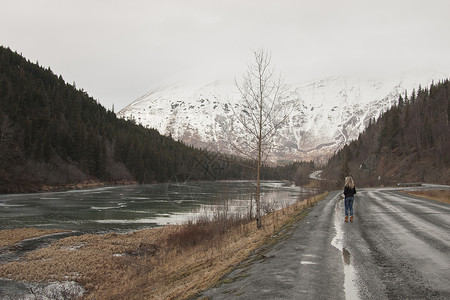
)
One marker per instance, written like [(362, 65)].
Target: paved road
[(398, 247)]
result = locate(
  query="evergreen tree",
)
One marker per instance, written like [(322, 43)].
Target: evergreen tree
[(417, 135), (400, 101), (394, 127)]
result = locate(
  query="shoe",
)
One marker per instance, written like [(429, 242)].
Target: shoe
[(346, 219), (351, 218)]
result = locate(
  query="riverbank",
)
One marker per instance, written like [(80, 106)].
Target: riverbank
[(161, 263), (29, 187), (10, 237), (88, 184)]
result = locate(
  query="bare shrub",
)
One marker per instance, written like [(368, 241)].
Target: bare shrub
[(269, 207), (144, 249), (205, 228)]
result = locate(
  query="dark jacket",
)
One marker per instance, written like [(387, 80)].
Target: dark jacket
[(348, 192)]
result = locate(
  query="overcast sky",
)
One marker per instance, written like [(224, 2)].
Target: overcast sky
[(119, 50)]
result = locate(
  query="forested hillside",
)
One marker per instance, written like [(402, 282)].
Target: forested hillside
[(409, 142), (53, 134)]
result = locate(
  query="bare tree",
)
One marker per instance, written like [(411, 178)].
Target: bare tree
[(261, 112)]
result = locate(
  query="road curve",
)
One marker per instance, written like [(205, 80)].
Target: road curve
[(398, 247)]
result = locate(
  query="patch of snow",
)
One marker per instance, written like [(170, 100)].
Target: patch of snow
[(328, 113)]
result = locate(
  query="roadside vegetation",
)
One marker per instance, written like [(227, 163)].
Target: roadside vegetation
[(172, 262), (438, 195)]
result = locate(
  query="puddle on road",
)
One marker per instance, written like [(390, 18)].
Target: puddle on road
[(346, 256), (305, 262), (350, 289)]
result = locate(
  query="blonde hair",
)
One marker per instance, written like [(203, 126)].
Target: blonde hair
[(349, 182)]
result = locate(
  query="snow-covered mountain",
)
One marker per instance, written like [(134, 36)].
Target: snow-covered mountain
[(328, 112)]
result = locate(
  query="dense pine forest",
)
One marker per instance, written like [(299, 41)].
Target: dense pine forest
[(52, 134), (408, 143)]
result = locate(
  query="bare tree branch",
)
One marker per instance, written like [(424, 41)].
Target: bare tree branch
[(261, 113)]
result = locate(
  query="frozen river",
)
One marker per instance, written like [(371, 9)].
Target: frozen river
[(123, 208)]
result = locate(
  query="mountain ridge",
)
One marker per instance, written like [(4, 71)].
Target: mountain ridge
[(329, 112)]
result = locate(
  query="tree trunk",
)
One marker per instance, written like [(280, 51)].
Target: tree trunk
[(258, 176), (258, 193)]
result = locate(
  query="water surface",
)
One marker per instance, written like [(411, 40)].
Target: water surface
[(123, 208)]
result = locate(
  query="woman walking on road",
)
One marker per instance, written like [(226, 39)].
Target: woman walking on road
[(349, 191)]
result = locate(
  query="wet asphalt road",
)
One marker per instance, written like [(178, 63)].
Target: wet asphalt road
[(398, 247)]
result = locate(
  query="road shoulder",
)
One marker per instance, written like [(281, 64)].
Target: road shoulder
[(303, 264)]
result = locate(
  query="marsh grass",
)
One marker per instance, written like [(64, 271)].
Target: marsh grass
[(438, 195), (172, 262), (11, 237)]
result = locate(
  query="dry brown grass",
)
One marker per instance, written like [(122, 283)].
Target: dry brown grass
[(438, 195), (10, 237), (173, 262)]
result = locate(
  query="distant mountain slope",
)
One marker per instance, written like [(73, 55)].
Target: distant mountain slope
[(52, 134), (328, 112), (409, 143)]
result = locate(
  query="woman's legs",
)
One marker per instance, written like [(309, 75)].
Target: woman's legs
[(348, 202), (350, 205)]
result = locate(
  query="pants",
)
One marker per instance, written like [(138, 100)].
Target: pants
[(349, 205)]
